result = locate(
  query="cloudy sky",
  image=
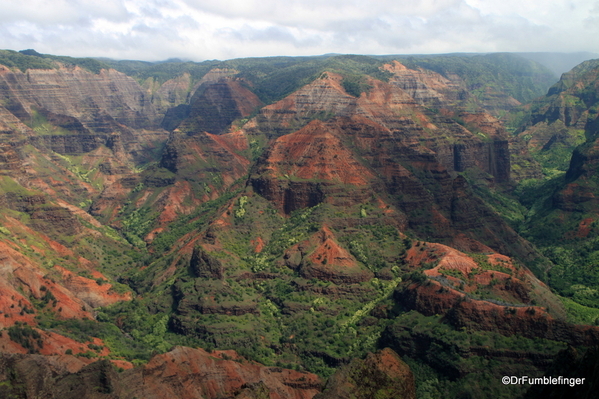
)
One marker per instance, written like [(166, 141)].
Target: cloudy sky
[(222, 29)]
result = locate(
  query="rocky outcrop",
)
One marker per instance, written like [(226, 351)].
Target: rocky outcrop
[(321, 257), (564, 118), (308, 167), (380, 375), (205, 266), (200, 154), (181, 373), (216, 104), (481, 143), (461, 310), (486, 292), (194, 373), (72, 111), (209, 297), (427, 87), (29, 286), (97, 101), (522, 321)]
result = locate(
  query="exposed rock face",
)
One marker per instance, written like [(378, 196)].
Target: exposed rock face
[(559, 119), (21, 278), (203, 265), (205, 165), (209, 297), (316, 153), (172, 93), (210, 151), (71, 111), (397, 149), (342, 161), (492, 317), (393, 107), (428, 88), (60, 291), (308, 167), (455, 276), (164, 377), (216, 104), (98, 101), (381, 375), (564, 137), (578, 193), (321, 257), (181, 373)]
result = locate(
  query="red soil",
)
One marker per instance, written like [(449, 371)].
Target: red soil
[(315, 152)]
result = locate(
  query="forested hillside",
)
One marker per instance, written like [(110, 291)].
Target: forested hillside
[(294, 227)]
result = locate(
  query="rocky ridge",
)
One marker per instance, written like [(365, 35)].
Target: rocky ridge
[(283, 231)]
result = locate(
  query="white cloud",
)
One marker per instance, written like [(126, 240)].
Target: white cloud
[(208, 29)]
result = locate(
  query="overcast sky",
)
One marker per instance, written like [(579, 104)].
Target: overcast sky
[(223, 29)]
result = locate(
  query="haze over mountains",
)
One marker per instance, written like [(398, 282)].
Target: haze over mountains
[(297, 227)]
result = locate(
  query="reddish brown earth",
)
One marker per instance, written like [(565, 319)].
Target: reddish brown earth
[(34, 279), (380, 375), (509, 299), (393, 106), (22, 280), (584, 227), (217, 103), (79, 93), (259, 245), (316, 153), (434, 298), (194, 373), (323, 258), (500, 277), (310, 166), (183, 373), (207, 151), (89, 290), (178, 199)]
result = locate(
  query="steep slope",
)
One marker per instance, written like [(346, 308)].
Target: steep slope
[(381, 375), (559, 120), (567, 202), (389, 105), (341, 218), (496, 82), (216, 104), (181, 373), (315, 164), (80, 94)]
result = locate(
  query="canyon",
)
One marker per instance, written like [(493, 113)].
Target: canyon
[(345, 226)]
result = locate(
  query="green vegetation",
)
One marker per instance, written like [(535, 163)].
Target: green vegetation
[(31, 59), (449, 362), (275, 78), (578, 313), (40, 125), (26, 336), (235, 273), (133, 348), (14, 59), (188, 223), (509, 73), (355, 85)]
